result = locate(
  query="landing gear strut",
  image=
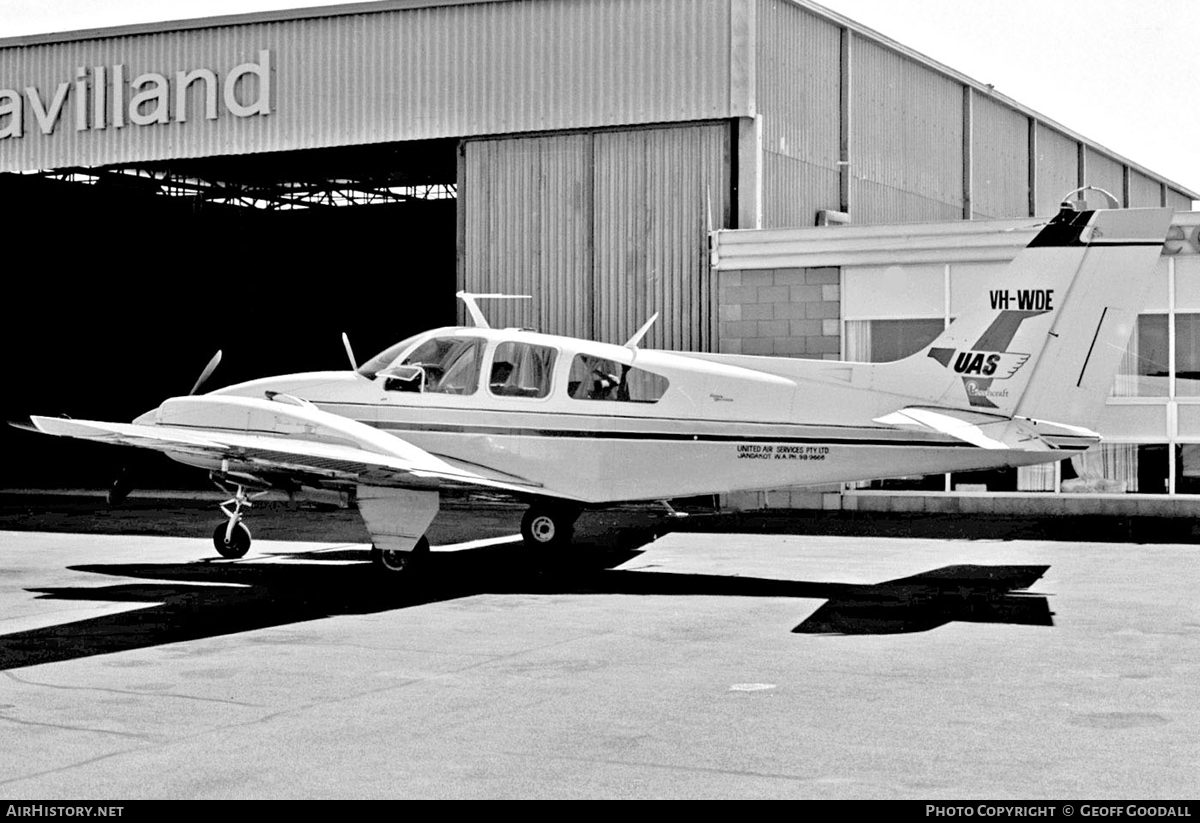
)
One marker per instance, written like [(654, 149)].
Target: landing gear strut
[(232, 539)]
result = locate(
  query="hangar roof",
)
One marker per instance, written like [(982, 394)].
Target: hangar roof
[(715, 96)]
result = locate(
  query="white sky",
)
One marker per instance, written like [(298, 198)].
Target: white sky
[(1124, 73)]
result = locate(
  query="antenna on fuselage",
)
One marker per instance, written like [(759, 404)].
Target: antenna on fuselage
[(349, 352), (477, 318), (640, 333)]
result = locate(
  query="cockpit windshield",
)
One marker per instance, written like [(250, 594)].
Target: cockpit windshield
[(386, 357), (440, 365)]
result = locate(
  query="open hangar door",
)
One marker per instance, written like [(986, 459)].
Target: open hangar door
[(124, 281), (601, 228)]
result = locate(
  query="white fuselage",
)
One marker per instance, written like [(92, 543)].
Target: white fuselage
[(716, 423)]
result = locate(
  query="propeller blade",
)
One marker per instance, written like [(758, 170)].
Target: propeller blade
[(121, 486), (207, 373)]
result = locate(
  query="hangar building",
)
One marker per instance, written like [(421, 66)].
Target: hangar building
[(261, 183)]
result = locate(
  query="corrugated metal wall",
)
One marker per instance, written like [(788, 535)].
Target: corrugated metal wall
[(655, 190), (906, 141), (1178, 201), (1104, 172), (906, 127), (603, 228), (1143, 192), (1000, 156), (527, 224), (460, 70), (1057, 169), (799, 97)]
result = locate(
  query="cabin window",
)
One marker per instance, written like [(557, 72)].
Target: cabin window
[(443, 365), (521, 370), (595, 378)]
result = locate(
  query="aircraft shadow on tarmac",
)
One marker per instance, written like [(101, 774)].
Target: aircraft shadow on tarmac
[(246, 595)]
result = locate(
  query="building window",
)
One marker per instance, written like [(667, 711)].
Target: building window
[(1187, 355), (1118, 468), (882, 341), (913, 483), (1187, 468), (985, 480), (891, 313), (1144, 369), (1037, 478)]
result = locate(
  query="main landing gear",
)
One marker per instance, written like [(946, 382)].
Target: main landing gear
[(394, 561), (547, 528), (232, 539)]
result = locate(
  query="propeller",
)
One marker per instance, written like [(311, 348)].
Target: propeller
[(123, 483), (349, 352), (207, 373)]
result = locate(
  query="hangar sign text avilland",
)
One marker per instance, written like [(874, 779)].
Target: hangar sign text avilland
[(101, 97)]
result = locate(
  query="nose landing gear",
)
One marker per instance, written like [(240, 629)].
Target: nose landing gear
[(232, 539)]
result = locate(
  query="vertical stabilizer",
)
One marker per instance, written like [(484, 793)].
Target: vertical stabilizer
[(1047, 335), (1073, 377)]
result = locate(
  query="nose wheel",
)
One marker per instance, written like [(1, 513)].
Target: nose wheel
[(232, 539)]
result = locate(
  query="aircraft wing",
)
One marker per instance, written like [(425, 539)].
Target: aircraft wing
[(268, 439), (990, 431)]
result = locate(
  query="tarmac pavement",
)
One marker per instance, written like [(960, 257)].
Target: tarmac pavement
[(696, 665)]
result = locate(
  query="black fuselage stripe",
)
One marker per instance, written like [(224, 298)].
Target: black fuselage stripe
[(395, 429), (689, 437), (685, 437)]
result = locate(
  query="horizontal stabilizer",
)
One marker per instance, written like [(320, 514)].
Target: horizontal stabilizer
[(989, 431)]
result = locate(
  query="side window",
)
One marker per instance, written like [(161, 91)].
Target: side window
[(521, 370), (444, 365), (594, 378)]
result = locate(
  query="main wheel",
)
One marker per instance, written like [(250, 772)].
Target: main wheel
[(236, 545), (394, 562), (545, 528)]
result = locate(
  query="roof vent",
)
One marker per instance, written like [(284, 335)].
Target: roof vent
[(829, 217)]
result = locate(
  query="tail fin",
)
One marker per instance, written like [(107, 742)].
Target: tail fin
[(1050, 330)]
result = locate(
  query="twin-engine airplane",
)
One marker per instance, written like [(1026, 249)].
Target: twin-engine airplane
[(567, 424)]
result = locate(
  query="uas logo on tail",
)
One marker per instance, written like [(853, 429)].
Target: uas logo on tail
[(988, 360)]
